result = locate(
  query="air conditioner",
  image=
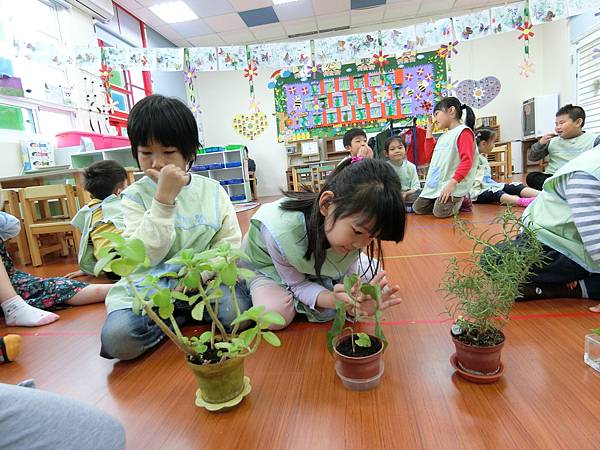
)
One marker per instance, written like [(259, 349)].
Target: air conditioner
[(101, 10)]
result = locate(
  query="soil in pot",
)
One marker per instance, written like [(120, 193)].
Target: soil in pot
[(345, 348), (479, 360), (476, 339), (360, 370)]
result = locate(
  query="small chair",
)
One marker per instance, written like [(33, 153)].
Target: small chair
[(45, 222), (11, 206), (499, 163), (252, 180)]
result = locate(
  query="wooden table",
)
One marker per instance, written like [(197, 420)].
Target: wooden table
[(41, 178), (526, 144)]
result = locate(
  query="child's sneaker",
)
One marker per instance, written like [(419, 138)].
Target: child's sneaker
[(467, 204), (525, 202)]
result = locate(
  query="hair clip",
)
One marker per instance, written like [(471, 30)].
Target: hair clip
[(356, 159)]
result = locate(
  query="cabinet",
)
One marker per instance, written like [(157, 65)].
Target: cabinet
[(123, 155)]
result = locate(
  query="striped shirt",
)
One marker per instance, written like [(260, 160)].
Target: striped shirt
[(582, 193)]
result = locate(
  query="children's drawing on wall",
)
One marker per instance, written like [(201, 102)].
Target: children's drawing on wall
[(507, 17), (115, 57), (203, 59), (478, 93), (231, 58), (142, 58), (432, 34), (472, 26), (169, 59), (398, 41), (547, 10)]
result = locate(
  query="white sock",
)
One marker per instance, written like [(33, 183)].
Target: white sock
[(18, 313)]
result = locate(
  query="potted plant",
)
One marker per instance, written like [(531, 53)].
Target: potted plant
[(216, 357), (481, 290), (358, 354)]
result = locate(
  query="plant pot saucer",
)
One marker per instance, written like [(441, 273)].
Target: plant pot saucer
[(227, 405), (480, 379)]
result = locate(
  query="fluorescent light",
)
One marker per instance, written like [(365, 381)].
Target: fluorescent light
[(174, 12), (281, 2)]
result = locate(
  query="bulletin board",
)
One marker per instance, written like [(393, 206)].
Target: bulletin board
[(341, 96)]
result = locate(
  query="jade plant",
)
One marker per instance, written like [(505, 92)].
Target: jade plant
[(481, 289), (357, 338), (127, 257)]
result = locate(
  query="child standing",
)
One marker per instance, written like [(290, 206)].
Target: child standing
[(104, 180), (169, 210), (568, 142), (452, 169), (485, 189), (395, 150), (302, 246), (25, 298)]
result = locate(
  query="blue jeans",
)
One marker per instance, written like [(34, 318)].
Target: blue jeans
[(126, 335)]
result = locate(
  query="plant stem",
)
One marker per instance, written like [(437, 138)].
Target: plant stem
[(236, 307), (213, 316)]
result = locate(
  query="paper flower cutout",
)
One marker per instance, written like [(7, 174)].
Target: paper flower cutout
[(317, 106), (449, 86), (380, 59), (526, 68), (383, 94), (526, 31), (446, 51), (426, 106), (189, 75), (253, 106), (105, 74), (304, 90), (292, 90), (250, 72), (478, 92), (195, 109), (313, 70), (111, 106)]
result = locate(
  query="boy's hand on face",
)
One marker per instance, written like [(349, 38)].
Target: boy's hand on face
[(365, 152), (546, 138), (171, 179)]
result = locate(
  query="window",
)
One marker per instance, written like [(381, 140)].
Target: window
[(588, 79)]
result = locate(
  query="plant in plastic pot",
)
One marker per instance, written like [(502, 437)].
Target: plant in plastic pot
[(481, 290), (215, 357), (358, 355)]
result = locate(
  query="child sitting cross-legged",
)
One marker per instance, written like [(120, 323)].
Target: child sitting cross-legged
[(395, 150)]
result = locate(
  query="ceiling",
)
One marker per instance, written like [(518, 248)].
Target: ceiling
[(225, 22)]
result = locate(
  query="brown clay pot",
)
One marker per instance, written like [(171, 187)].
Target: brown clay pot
[(219, 382), (478, 360), (358, 368)]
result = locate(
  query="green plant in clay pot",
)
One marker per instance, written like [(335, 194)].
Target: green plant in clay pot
[(358, 355), (481, 290), (216, 357)]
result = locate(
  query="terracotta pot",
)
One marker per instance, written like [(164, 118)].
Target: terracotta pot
[(219, 382), (358, 368), (478, 360)]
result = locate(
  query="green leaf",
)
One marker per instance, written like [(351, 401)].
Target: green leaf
[(246, 274), (105, 251), (253, 313), (169, 275), (362, 340), (338, 323), (596, 331), (248, 335), (205, 337), (104, 263), (166, 311), (349, 283), (200, 348), (179, 296), (380, 335), (161, 298), (123, 267), (273, 318), (225, 345), (192, 280), (369, 289), (271, 338), (229, 274), (115, 238), (198, 311), (134, 250)]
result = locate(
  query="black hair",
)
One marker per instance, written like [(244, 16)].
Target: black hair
[(388, 142), (102, 178), (351, 134), (484, 134), (447, 102), (166, 121), (574, 113), (368, 188)]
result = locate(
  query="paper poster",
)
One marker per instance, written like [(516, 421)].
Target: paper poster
[(478, 93), (472, 26), (576, 7), (203, 59), (398, 41), (142, 58), (87, 57), (331, 49), (508, 17), (358, 46), (264, 55), (547, 10), (169, 59), (116, 57), (291, 54), (432, 34), (232, 58)]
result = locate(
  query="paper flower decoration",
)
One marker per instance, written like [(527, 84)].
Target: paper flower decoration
[(449, 86), (478, 92), (526, 68), (526, 31), (189, 75), (105, 74), (304, 90), (383, 94), (426, 106), (292, 90), (408, 77), (195, 109), (111, 106), (446, 51), (250, 72), (313, 70), (253, 106), (317, 107), (380, 59)]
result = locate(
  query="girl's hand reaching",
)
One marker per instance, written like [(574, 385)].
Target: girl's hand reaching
[(170, 179), (448, 190), (367, 305)]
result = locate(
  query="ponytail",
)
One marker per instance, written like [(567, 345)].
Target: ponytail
[(484, 134), (447, 102)]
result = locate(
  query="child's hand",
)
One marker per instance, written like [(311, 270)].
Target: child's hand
[(546, 138), (171, 179), (429, 130), (448, 190), (367, 306), (76, 274), (365, 152)]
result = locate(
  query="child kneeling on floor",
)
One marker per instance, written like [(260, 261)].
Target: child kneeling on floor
[(395, 150), (302, 246), (485, 189), (452, 169), (169, 210)]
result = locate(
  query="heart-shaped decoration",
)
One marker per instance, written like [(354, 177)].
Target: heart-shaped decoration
[(477, 94), (250, 125)]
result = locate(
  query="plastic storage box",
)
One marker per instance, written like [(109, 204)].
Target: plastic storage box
[(101, 141)]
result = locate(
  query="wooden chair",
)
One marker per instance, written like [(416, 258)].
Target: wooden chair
[(500, 163), (252, 180), (45, 223), (11, 206)]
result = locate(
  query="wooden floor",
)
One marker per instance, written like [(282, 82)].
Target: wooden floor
[(547, 399)]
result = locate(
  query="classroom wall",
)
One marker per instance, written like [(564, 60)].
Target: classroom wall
[(165, 83)]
